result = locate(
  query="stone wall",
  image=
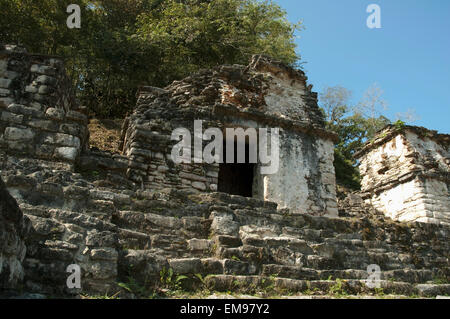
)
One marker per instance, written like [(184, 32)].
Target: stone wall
[(305, 181), (124, 218), (39, 117), (406, 174), (266, 94), (14, 228), (70, 216), (117, 232)]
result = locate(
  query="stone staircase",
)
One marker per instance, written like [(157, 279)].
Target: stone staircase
[(246, 242), (220, 242)]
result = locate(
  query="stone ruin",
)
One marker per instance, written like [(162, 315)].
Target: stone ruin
[(406, 174), (39, 117), (130, 216), (266, 94)]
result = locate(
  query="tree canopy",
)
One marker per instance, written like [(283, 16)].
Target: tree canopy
[(355, 125), (123, 44)]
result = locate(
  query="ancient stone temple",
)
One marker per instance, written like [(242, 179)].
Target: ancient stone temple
[(265, 94), (406, 174), (126, 218)]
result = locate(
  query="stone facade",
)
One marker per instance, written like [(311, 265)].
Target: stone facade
[(125, 218), (265, 94), (39, 117), (406, 174)]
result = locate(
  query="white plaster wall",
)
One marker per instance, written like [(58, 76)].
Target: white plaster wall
[(284, 98), (437, 202), (426, 147), (395, 151), (402, 202), (422, 199), (417, 200), (288, 187), (325, 150), (305, 182)]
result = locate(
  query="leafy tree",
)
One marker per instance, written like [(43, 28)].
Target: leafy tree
[(334, 102), (123, 44), (354, 126)]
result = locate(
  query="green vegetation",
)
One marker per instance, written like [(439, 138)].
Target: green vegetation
[(123, 44), (106, 296), (338, 289), (170, 280), (135, 288), (399, 125), (354, 125), (379, 292), (441, 280)]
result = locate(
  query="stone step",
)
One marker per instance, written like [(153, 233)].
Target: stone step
[(208, 266), (246, 253), (292, 272), (254, 284), (149, 223), (227, 266), (130, 239), (297, 272)]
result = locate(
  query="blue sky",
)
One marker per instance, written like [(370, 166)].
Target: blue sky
[(409, 57)]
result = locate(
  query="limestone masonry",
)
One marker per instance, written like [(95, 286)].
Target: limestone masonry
[(406, 174), (132, 216), (266, 94)]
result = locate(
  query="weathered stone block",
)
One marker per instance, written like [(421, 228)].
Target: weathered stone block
[(19, 134), (43, 125), (104, 254), (5, 83), (31, 89), (199, 244), (45, 79), (46, 226), (102, 270), (186, 266), (235, 267), (22, 109), (12, 118), (63, 140), (72, 129), (66, 153), (101, 239), (199, 185), (6, 101), (4, 92), (54, 113), (45, 89), (43, 69)]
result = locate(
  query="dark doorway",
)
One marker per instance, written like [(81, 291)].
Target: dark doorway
[(236, 178)]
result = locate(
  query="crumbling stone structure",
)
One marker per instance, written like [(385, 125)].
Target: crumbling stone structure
[(406, 174), (265, 94), (39, 118), (120, 217)]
